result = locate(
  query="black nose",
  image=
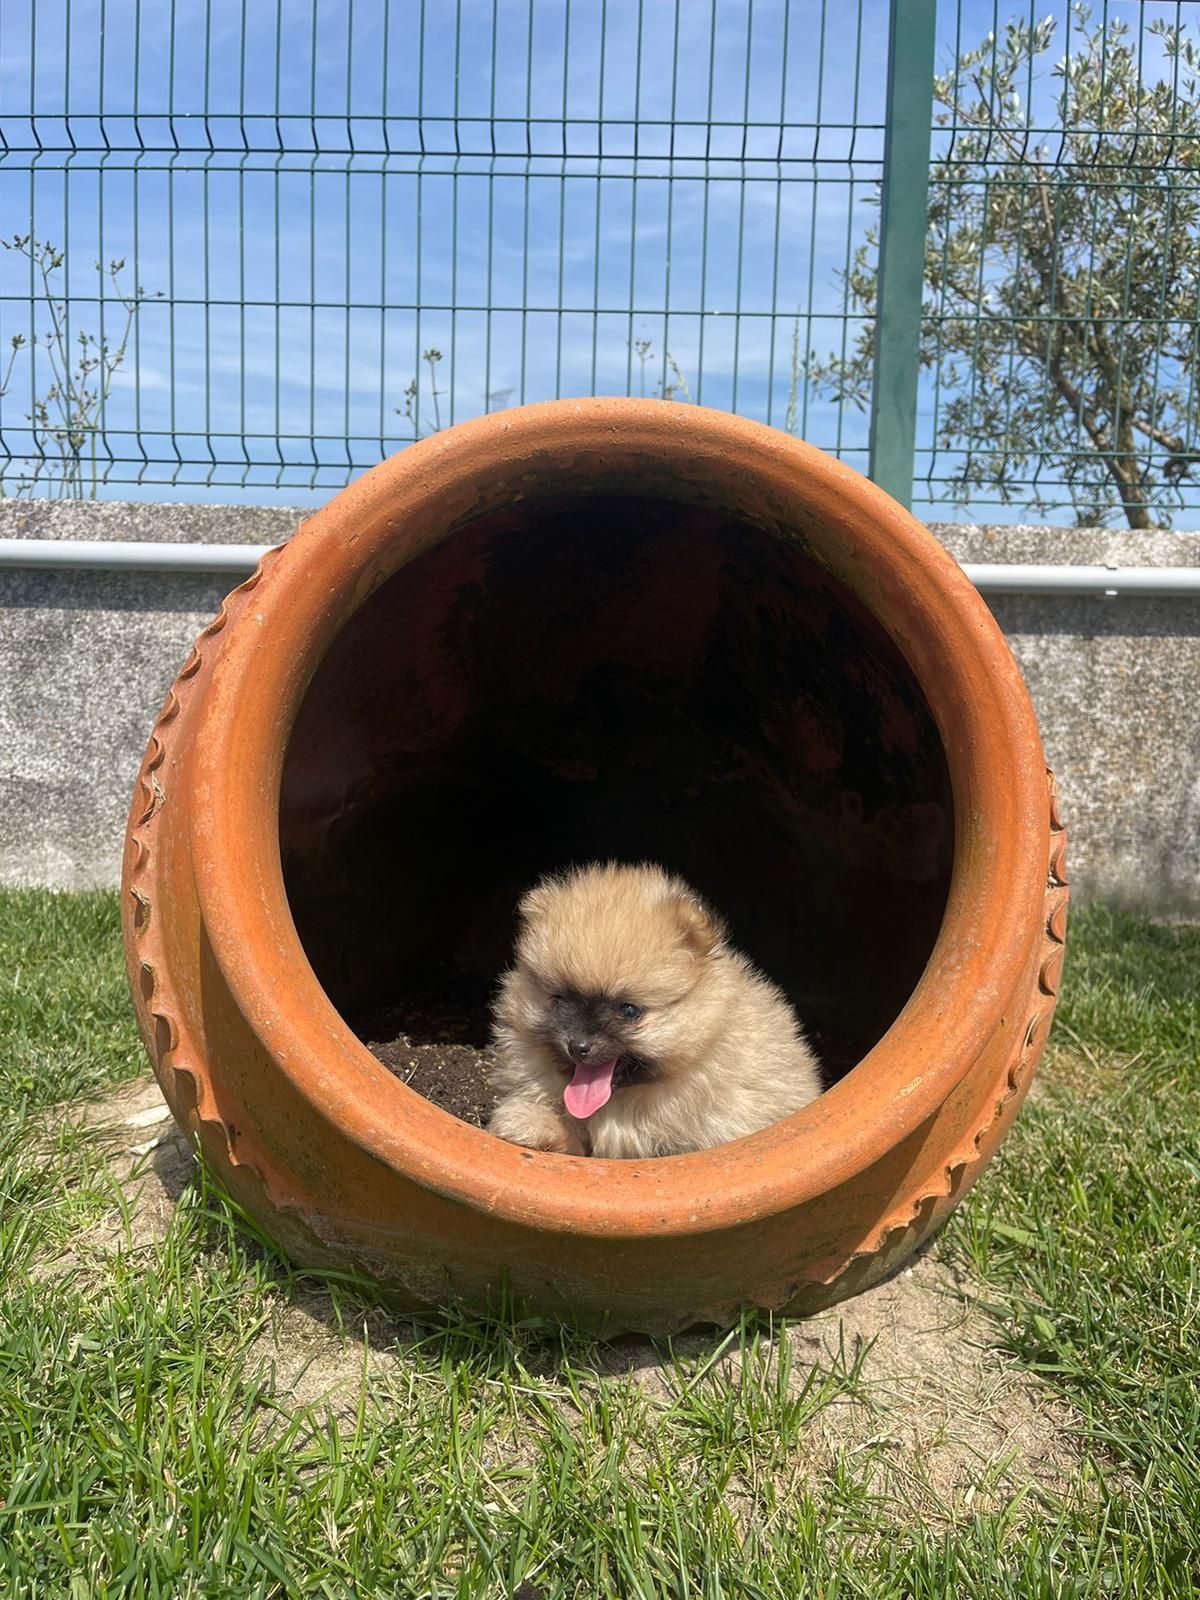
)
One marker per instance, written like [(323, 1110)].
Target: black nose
[(579, 1049)]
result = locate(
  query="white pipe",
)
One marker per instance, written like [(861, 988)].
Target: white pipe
[(146, 556), (130, 555), (1083, 580)]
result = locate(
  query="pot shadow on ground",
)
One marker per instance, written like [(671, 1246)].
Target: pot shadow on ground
[(155, 1181), (155, 1186)]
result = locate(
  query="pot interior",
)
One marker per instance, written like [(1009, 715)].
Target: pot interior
[(567, 681)]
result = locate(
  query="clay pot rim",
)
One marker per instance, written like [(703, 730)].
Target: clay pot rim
[(987, 728)]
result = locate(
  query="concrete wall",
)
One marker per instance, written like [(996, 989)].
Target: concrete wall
[(1116, 686), (85, 660), (86, 657)]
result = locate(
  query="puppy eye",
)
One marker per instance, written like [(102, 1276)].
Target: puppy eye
[(556, 999), (629, 1011)]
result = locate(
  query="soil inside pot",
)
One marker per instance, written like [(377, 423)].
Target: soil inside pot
[(436, 1043)]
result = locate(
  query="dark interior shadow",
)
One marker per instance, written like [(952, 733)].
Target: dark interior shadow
[(628, 680), (457, 1011)]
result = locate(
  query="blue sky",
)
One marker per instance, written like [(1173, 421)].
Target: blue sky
[(321, 191)]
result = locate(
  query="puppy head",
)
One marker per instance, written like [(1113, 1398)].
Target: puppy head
[(607, 960)]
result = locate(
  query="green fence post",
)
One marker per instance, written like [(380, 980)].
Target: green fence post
[(902, 245)]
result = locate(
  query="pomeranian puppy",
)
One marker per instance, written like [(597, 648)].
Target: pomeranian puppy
[(628, 1027)]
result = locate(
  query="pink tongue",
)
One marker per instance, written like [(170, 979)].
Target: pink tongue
[(590, 1088)]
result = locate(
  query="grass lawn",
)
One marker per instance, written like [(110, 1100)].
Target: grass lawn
[(160, 1436)]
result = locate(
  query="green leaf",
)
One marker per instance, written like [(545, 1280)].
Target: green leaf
[(1016, 1235), (264, 1559)]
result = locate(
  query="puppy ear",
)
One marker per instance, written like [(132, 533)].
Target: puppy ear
[(532, 905), (699, 928)]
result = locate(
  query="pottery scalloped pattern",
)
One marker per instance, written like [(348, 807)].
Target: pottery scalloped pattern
[(151, 798), (1025, 1058)]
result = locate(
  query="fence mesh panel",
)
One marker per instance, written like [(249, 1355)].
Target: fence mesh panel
[(312, 233)]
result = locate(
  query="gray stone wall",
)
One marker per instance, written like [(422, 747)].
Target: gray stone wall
[(86, 657), (85, 660), (1116, 687)]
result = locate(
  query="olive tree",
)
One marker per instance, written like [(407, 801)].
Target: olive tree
[(1062, 268)]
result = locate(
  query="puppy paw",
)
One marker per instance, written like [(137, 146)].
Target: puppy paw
[(535, 1126)]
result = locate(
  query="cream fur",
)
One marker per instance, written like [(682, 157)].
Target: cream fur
[(730, 1053)]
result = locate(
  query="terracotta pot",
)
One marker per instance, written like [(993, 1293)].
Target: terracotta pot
[(576, 630)]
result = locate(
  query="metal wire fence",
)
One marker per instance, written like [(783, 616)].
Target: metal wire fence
[(257, 247)]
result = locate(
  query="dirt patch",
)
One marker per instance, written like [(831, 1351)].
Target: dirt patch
[(435, 1043), (934, 1420), (1076, 1071), (315, 1363), (925, 1411), (147, 1161), (946, 1422)]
